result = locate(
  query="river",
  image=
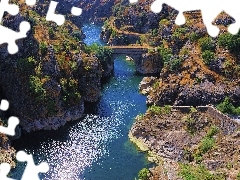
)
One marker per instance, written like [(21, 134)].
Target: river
[(97, 146)]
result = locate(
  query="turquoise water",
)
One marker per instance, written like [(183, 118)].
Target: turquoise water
[(95, 147)]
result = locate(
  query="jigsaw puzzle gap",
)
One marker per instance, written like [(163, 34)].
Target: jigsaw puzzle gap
[(51, 16), (4, 170), (31, 171), (4, 105), (76, 11)]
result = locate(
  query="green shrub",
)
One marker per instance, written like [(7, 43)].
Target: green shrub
[(227, 107), (156, 85), (167, 109), (70, 91), (194, 36), (206, 144), (27, 63), (164, 22), (150, 51), (159, 110), (114, 33), (36, 87), (154, 32), (175, 64), (166, 53), (198, 80), (104, 54), (143, 174), (106, 23), (198, 172), (212, 131), (238, 176), (143, 39), (229, 41), (206, 43), (193, 110), (179, 33), (51, 32), (208, 56), (43, 48), (155, 109)]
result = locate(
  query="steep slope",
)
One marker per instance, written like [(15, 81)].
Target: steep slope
[(51, 76)]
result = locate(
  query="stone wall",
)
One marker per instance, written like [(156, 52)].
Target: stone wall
[(227, 124)]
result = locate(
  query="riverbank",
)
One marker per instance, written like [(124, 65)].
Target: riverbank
[(186, 137), (95, 147)]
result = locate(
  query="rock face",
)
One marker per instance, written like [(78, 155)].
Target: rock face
[(7, 153), (146, 84), (90, 84), (49, 79), (198, 94), (149, 63), (97, 10), (177, 136)]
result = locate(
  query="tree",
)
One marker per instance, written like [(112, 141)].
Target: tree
[(208, 56), (143, 174), (206, 43)]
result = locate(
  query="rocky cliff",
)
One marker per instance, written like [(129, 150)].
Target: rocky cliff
[(187, 142), (51, 76), (7, 153), (197, 70)]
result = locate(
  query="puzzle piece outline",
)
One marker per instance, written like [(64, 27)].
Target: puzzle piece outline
[(4, 170), (208, 13), (59, 18), (31, 170), (7, 35), (12, 121)]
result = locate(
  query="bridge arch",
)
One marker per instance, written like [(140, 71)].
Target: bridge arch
[(145, 63)]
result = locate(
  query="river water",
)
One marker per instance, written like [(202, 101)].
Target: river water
[(97, 146)]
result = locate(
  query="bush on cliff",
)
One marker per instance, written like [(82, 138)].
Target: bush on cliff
[(70, 91), (36, 87), (175, 63), (208, 56), (104, 54), (227, 107), (143, 174), (206, 43), (27, 64), (229, 41), (159, 110), (199, 172), (166, 53)]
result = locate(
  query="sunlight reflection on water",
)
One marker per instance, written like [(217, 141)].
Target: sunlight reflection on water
[(90, 148)]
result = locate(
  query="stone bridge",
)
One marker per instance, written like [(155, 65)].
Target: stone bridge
[(145, 63)]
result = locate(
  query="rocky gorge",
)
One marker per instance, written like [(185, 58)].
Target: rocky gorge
[(50, 78), (55, 74), (186, 146)]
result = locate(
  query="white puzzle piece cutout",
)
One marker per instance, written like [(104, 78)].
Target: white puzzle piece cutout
[(51, 16), (4, 105), (12, 121), (31, 171), (76, 11), (30, 2), (210, 10), (7, 35), (4, 170), (10, 130)]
